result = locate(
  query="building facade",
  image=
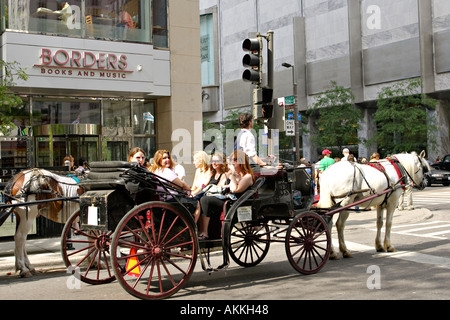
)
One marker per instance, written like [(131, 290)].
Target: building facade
[(364, 45), (104, 76)]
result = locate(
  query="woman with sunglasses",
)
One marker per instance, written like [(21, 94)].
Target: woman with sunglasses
[(240, 178)]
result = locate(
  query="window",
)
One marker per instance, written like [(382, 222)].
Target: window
[(160, 31), (144, 126), (207, 49), (65, 112), (123, 20)]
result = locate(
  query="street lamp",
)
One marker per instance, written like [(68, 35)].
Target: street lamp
[(297, 135)]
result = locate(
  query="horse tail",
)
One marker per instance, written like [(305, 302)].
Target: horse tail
[(326, 200)]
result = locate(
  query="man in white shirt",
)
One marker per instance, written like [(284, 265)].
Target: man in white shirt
[(345, 152), (245, 140)]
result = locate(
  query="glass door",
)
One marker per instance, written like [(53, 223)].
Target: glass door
[(52, 150)]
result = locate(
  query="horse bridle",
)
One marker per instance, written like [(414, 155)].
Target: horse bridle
[(402, 168)]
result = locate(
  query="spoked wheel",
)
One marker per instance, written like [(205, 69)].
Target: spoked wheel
[(154, 250), (308, 243), (249, 243), (86, 252)]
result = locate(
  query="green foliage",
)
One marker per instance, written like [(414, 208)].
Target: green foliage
[(9, 101), (401, 118), (337, 117)]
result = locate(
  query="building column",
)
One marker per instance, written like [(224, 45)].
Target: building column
[(367, 131), (438, 137), (309, 145)]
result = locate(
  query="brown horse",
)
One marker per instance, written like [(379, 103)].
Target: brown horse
[(34, 185)]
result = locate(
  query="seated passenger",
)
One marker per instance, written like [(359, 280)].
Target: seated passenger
[(202, 173), (218, 170), (241, 178), (163, 167), (137, 155)]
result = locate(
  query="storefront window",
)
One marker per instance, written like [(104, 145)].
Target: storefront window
[(13, 153), (123, 20), (144, 126), (116, 114), (66, 112), (143, 117)]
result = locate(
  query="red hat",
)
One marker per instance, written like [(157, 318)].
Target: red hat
[(326, 151)]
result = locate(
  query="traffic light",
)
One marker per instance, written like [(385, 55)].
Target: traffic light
[(263, 104), (253, 60)]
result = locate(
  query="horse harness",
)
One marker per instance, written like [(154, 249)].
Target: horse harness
[(24, 191), (398, 167)]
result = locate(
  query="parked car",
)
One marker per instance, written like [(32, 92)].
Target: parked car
[(436, 176), (444, 164)]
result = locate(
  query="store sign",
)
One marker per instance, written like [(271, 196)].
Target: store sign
[(83, 64)]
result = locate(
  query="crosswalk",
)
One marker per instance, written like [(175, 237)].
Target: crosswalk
[(439, 230), (426, 199), (429, 198)]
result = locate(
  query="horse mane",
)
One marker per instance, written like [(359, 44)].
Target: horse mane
[(14, 184), (53, 208)]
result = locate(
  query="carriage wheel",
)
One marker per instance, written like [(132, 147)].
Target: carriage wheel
[(154, 250), (249, 243), (86, 252), (308, 243)]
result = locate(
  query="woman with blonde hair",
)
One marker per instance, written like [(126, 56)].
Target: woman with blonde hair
[(202, 173), (240, 178)]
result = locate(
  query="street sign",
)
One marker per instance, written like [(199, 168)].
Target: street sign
[(289, 100), (290, 128)]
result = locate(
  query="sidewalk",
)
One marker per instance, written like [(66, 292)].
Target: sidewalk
[(45, 254)]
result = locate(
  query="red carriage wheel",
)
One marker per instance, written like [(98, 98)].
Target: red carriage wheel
[(85, 252), (154, 250), (308, 243)]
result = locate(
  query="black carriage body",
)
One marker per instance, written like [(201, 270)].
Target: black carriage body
[(103, 209), (106, 198), (283, 193)]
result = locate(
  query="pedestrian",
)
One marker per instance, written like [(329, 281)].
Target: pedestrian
[(326, 161), (68, 161), (82, 166), (375, 157), (345, 152)]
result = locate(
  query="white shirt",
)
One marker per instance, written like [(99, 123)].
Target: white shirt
[(245, 141), (180, 171)]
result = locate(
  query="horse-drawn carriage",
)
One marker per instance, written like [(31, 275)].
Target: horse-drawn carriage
[(138, 228)]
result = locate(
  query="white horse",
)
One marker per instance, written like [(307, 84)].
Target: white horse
[(345, 183), (35, 185)]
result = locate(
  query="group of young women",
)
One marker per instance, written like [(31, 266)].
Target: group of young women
[(235, 176)]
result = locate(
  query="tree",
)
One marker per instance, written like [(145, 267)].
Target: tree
[(9, 101), (401, 118), (337, 117)]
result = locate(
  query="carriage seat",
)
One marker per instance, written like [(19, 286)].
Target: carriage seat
[(105, 175)]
